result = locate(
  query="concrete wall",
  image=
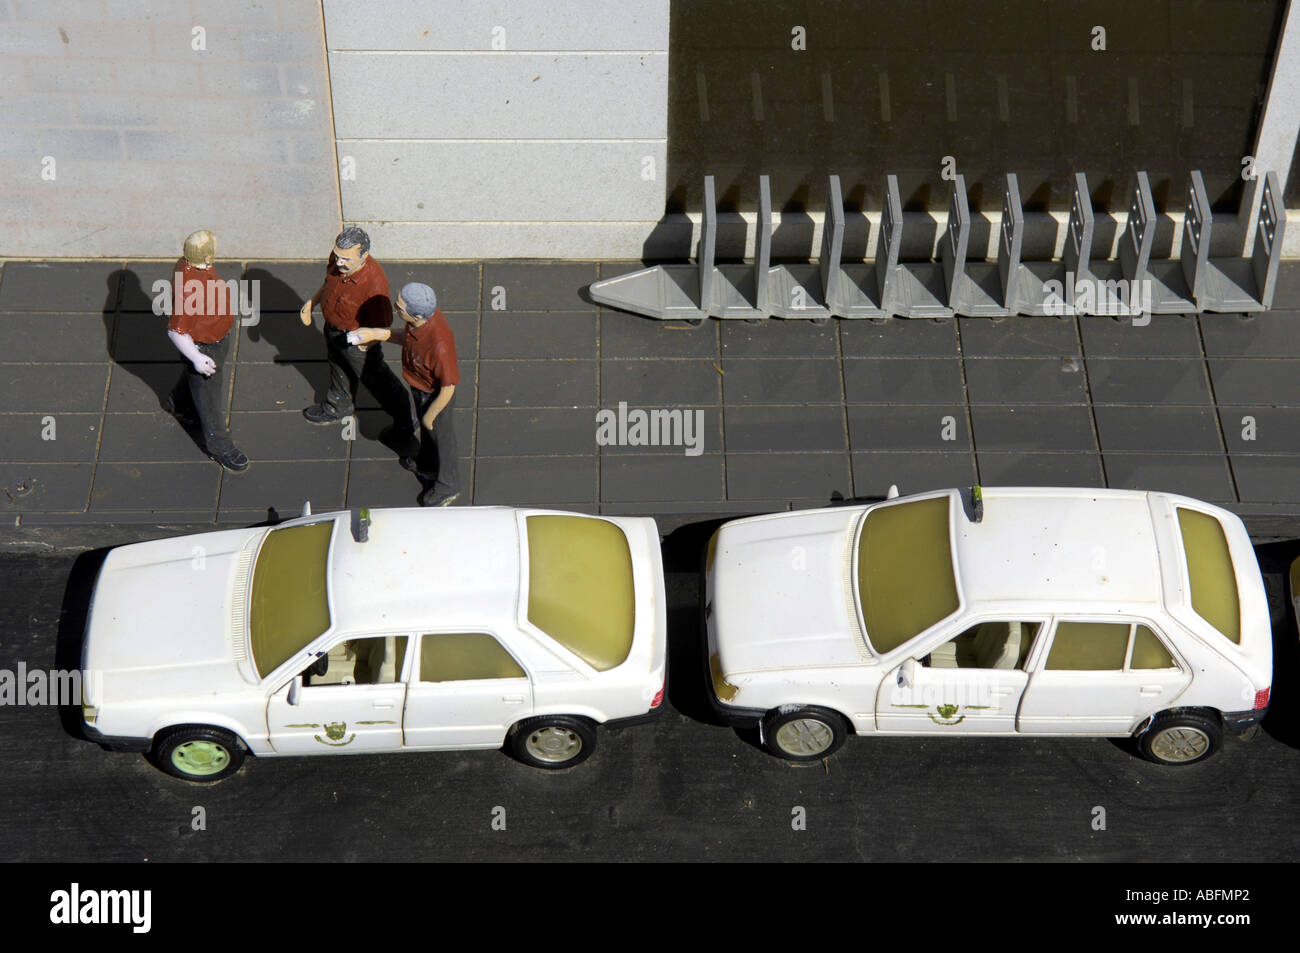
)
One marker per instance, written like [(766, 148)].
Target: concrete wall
[(118, 137), (500, 129)]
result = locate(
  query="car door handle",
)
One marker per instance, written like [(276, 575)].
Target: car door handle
[(1151, 690), (382, 706), (513, 699)]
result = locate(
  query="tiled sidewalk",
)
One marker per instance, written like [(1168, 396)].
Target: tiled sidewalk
[(795, 413)]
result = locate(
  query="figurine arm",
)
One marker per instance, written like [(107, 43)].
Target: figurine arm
[(439, 402), (185, 344), (305, 312)]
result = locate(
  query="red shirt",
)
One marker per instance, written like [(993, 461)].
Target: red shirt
[(200, 304), (358, 300), (429, 355)]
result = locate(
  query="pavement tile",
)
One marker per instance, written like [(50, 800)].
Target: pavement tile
[(762, 476), (1152, 380), (55, 338), (775, 338), (455, 283), (68, 287), (142, 387), (1270, 430), (510, 335), (1287, 295), (1256, 381), (509, 432), (147, 438), (633, 337), (615, 267), (912, 380), (370, 423), (289, 386), (660, 477), (1033, 428), (1138, 429), (1165, 335), (1039, 469), (44, 487), (704, 425), (286, 435), (1202, 476), (376, 483), (541, 286), (49, 438), (155, 487), (780, 381), (1265, 479), (286, 486), (529, 481), (660, 383), (766, 428), (1271, 334), (53, 388), (538, 383), (286, 285), (899, 337), (142, 337), (937, 428), (281, 337), (1018, 337), (1025, 380), (875, 472)]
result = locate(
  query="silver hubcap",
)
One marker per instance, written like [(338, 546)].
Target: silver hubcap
[(553, 744), (1180, 744), (804, 737)]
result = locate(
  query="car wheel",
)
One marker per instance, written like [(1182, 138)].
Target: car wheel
[(804, 734), (553, 741), (1180, 738), (198, 753)]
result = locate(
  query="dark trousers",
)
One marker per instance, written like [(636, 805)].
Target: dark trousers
[(205, 397), (348, 365), (438, 458)]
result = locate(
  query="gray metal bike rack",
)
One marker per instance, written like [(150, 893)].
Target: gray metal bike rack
[(1025, 283), (800, 290), (1247, 284), (973, 288), (1173, 281), (1134, 256)]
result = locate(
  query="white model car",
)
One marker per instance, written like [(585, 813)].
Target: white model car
[(391, 630), (1028, 612)]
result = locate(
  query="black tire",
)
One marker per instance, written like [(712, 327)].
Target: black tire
[(552, 741), (804, 734), (198, 753), (1177, 738)]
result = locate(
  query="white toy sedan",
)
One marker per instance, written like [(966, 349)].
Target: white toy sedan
[(372, 631), (1027, 612)]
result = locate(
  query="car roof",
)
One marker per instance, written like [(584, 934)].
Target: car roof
[(1059, 546)]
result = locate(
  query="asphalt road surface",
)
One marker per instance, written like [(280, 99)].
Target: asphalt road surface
[(681, 788)]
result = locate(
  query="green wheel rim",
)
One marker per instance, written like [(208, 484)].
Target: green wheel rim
[(200, 758)]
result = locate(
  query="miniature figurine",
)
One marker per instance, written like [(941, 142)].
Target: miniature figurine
[(199, 327), (429, 366), (355, 295)]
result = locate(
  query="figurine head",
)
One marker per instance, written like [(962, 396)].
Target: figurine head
[(200, 248), (351, 249), (416, 303)]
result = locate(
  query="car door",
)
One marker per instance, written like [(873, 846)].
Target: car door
[(1101, 677), (970, 682), (466, 690), (350, 703)]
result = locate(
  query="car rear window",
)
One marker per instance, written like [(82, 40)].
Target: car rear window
[(1211, 576), (580, 590), (289, 607), (905, 576)]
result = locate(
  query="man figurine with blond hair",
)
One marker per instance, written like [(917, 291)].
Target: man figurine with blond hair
[(429, 366), (199, 327)]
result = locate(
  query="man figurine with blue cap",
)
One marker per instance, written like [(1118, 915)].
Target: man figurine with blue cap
[(429, 366)]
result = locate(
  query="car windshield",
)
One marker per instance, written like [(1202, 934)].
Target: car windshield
[(905, 575), (289, 607)]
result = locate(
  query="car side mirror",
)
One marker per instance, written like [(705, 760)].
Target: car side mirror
[(907, 673), (295, 690)]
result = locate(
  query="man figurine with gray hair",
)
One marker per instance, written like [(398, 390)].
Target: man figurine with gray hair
[(429, 366), (199, 327), (355, 295)]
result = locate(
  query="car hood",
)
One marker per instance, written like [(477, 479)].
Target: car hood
[(782, 592), (162, 618)]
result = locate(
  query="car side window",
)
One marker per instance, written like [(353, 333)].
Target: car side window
[(988, 645), (371, 661), (1149, 652), (464, 656), (1106, 647)]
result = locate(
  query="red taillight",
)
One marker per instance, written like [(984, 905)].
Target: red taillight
[(1261, 698), (659, 698)]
